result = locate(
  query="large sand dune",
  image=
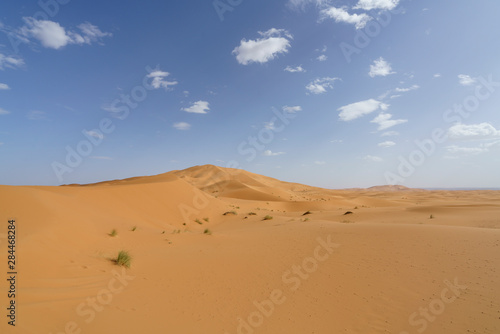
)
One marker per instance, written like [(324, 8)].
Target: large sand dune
[(387, 267)]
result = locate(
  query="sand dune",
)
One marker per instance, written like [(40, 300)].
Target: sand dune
[(404, 261)]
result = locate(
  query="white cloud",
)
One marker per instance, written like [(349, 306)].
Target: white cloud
[(4, 112), (336, 141), (52, 35), (199, 107), (437, 75), (36, 115), (390, 134), (320, 163), (377, 4), (269, 125), (4, 86), (90, 33), (385, 121), (466, 150), (182, 126), (322, 58), (404, 90), (301, 4), (320, 85), (269, 153), (292, 110), (95, 134), (10, 62), (373, 158), (380, 67), (295, 69), (387, 144), (473, 131), (466, 80), (272, 42), (159, 80), (341, 15), (355, 110)]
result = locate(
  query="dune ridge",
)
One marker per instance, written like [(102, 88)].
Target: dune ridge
[(265, 267)]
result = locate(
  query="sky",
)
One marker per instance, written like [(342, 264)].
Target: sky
[(336, 94)]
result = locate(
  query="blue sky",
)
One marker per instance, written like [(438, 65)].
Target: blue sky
[(328, 93)]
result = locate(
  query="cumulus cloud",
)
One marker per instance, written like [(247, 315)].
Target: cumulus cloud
[(301, 4), (322, 58), (385, 121), (466, 80), (321, 85), (466, 150), (390, 134), (341, 15), (297, 69), (182, 126), (387, 144), (377, 4), (261, 50), (293, 109), (380, 67), (404, 90), (269, 153), (10, 62), (373, 158), (4, 112), (52, 35), (356, 110), (159, 80), (199, 107), (473, 132), (4, 86)]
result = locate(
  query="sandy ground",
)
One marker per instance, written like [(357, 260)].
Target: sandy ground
[(386, 268)]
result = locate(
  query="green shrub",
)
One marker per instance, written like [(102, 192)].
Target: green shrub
[(268, 217), (123, 259), (113, 233)]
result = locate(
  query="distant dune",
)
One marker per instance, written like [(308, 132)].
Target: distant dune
[(217, 250)]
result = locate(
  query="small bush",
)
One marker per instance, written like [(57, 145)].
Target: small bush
[(307, 213), (134, 228), (198, 221), (268, 217), (123, 259), (431, 217), (206, 219), (207, 232), (252, 214), (230, 213), (113, 233), (348, 213)]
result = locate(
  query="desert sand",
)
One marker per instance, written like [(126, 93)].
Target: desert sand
[(206, 260)]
